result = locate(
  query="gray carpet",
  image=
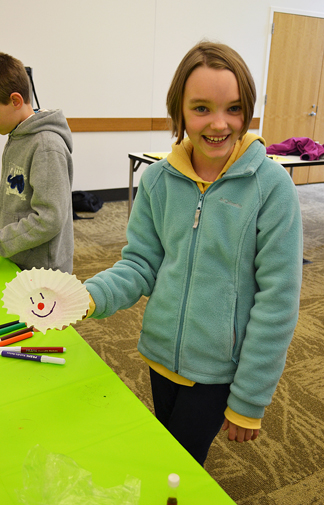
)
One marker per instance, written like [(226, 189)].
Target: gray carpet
[(285, 465)]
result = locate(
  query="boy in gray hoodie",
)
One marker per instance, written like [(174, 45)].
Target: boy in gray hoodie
[(36, 218)]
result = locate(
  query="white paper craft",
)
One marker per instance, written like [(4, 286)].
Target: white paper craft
[(46, 298)]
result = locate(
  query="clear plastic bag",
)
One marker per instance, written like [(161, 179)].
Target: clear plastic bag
[(56, 479)]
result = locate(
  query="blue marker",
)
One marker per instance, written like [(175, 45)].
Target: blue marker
[(32, 357)]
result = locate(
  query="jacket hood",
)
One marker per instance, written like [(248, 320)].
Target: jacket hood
[(45, 120)]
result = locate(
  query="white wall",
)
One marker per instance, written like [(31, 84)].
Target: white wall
[(116, 58)]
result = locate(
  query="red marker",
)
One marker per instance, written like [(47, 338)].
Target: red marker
[(37, 349)]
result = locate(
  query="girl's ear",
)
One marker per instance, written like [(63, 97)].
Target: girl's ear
[(16, 100)]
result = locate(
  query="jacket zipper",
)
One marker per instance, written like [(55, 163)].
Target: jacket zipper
[(198, 211), (191, 255)]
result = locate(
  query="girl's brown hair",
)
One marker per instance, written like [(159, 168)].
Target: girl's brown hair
[(217, 56)]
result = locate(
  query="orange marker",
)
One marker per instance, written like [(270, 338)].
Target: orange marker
[(16, 339)]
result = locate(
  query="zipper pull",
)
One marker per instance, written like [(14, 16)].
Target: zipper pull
[(198, 211)]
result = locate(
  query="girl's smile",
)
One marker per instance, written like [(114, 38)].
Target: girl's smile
[(215, 140), (213, 118)]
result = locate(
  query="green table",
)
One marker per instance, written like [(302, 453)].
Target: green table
[(83, 410)]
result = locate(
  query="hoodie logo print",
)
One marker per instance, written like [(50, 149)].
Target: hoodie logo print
[(17, 182)]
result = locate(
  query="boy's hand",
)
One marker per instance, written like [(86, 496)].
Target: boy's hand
[(238, 433)]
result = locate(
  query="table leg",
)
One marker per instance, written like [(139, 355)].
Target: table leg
[(131, 186)]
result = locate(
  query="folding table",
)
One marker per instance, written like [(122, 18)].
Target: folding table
[(84, 411)]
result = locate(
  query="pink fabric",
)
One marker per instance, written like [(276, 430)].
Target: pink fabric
[(303, 146)]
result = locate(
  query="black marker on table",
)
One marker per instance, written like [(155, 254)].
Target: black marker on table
[(5, 325)]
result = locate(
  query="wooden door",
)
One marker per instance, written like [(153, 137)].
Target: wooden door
[(316, 174), (295, 99)]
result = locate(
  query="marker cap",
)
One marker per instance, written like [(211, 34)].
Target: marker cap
[(49, 359), (173, 480)]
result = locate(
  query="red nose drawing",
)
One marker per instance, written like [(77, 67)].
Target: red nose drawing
[(40, 306)]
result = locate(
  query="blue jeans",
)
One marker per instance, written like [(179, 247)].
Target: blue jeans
[(193, 415)]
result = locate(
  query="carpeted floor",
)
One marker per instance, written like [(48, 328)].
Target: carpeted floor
[(285, 465)]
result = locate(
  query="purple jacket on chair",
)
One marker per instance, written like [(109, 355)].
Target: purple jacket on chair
[(303, 146)]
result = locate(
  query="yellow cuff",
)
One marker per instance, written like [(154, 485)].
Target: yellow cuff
[(249, 423), (91, 309)]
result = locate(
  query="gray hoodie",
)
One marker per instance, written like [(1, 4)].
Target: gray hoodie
[(36, 218)]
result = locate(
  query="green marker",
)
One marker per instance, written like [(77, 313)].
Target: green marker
[(14, 327)]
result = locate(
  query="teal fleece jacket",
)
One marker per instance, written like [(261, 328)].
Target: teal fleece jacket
[(222, 271)]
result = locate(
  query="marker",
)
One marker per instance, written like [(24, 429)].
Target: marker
[(37, 349), (5, 325), (15, 333), (16, 339), (13, 327), (32, 357)]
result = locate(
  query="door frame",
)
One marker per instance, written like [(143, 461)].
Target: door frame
[(296, 12)]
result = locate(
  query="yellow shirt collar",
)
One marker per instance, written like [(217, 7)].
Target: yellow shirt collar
[(180, 158)]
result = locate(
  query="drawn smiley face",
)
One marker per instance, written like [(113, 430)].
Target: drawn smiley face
[(47, 299), (43, 303)]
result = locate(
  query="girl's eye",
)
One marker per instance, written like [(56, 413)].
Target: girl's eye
[(201, 108), (235, 108)]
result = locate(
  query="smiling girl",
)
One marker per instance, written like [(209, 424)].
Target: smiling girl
[(215, 242)]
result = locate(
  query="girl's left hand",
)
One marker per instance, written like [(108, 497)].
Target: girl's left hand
[(238, 433)]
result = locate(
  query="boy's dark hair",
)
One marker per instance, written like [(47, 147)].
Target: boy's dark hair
[(217, 56), (13, 79)]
